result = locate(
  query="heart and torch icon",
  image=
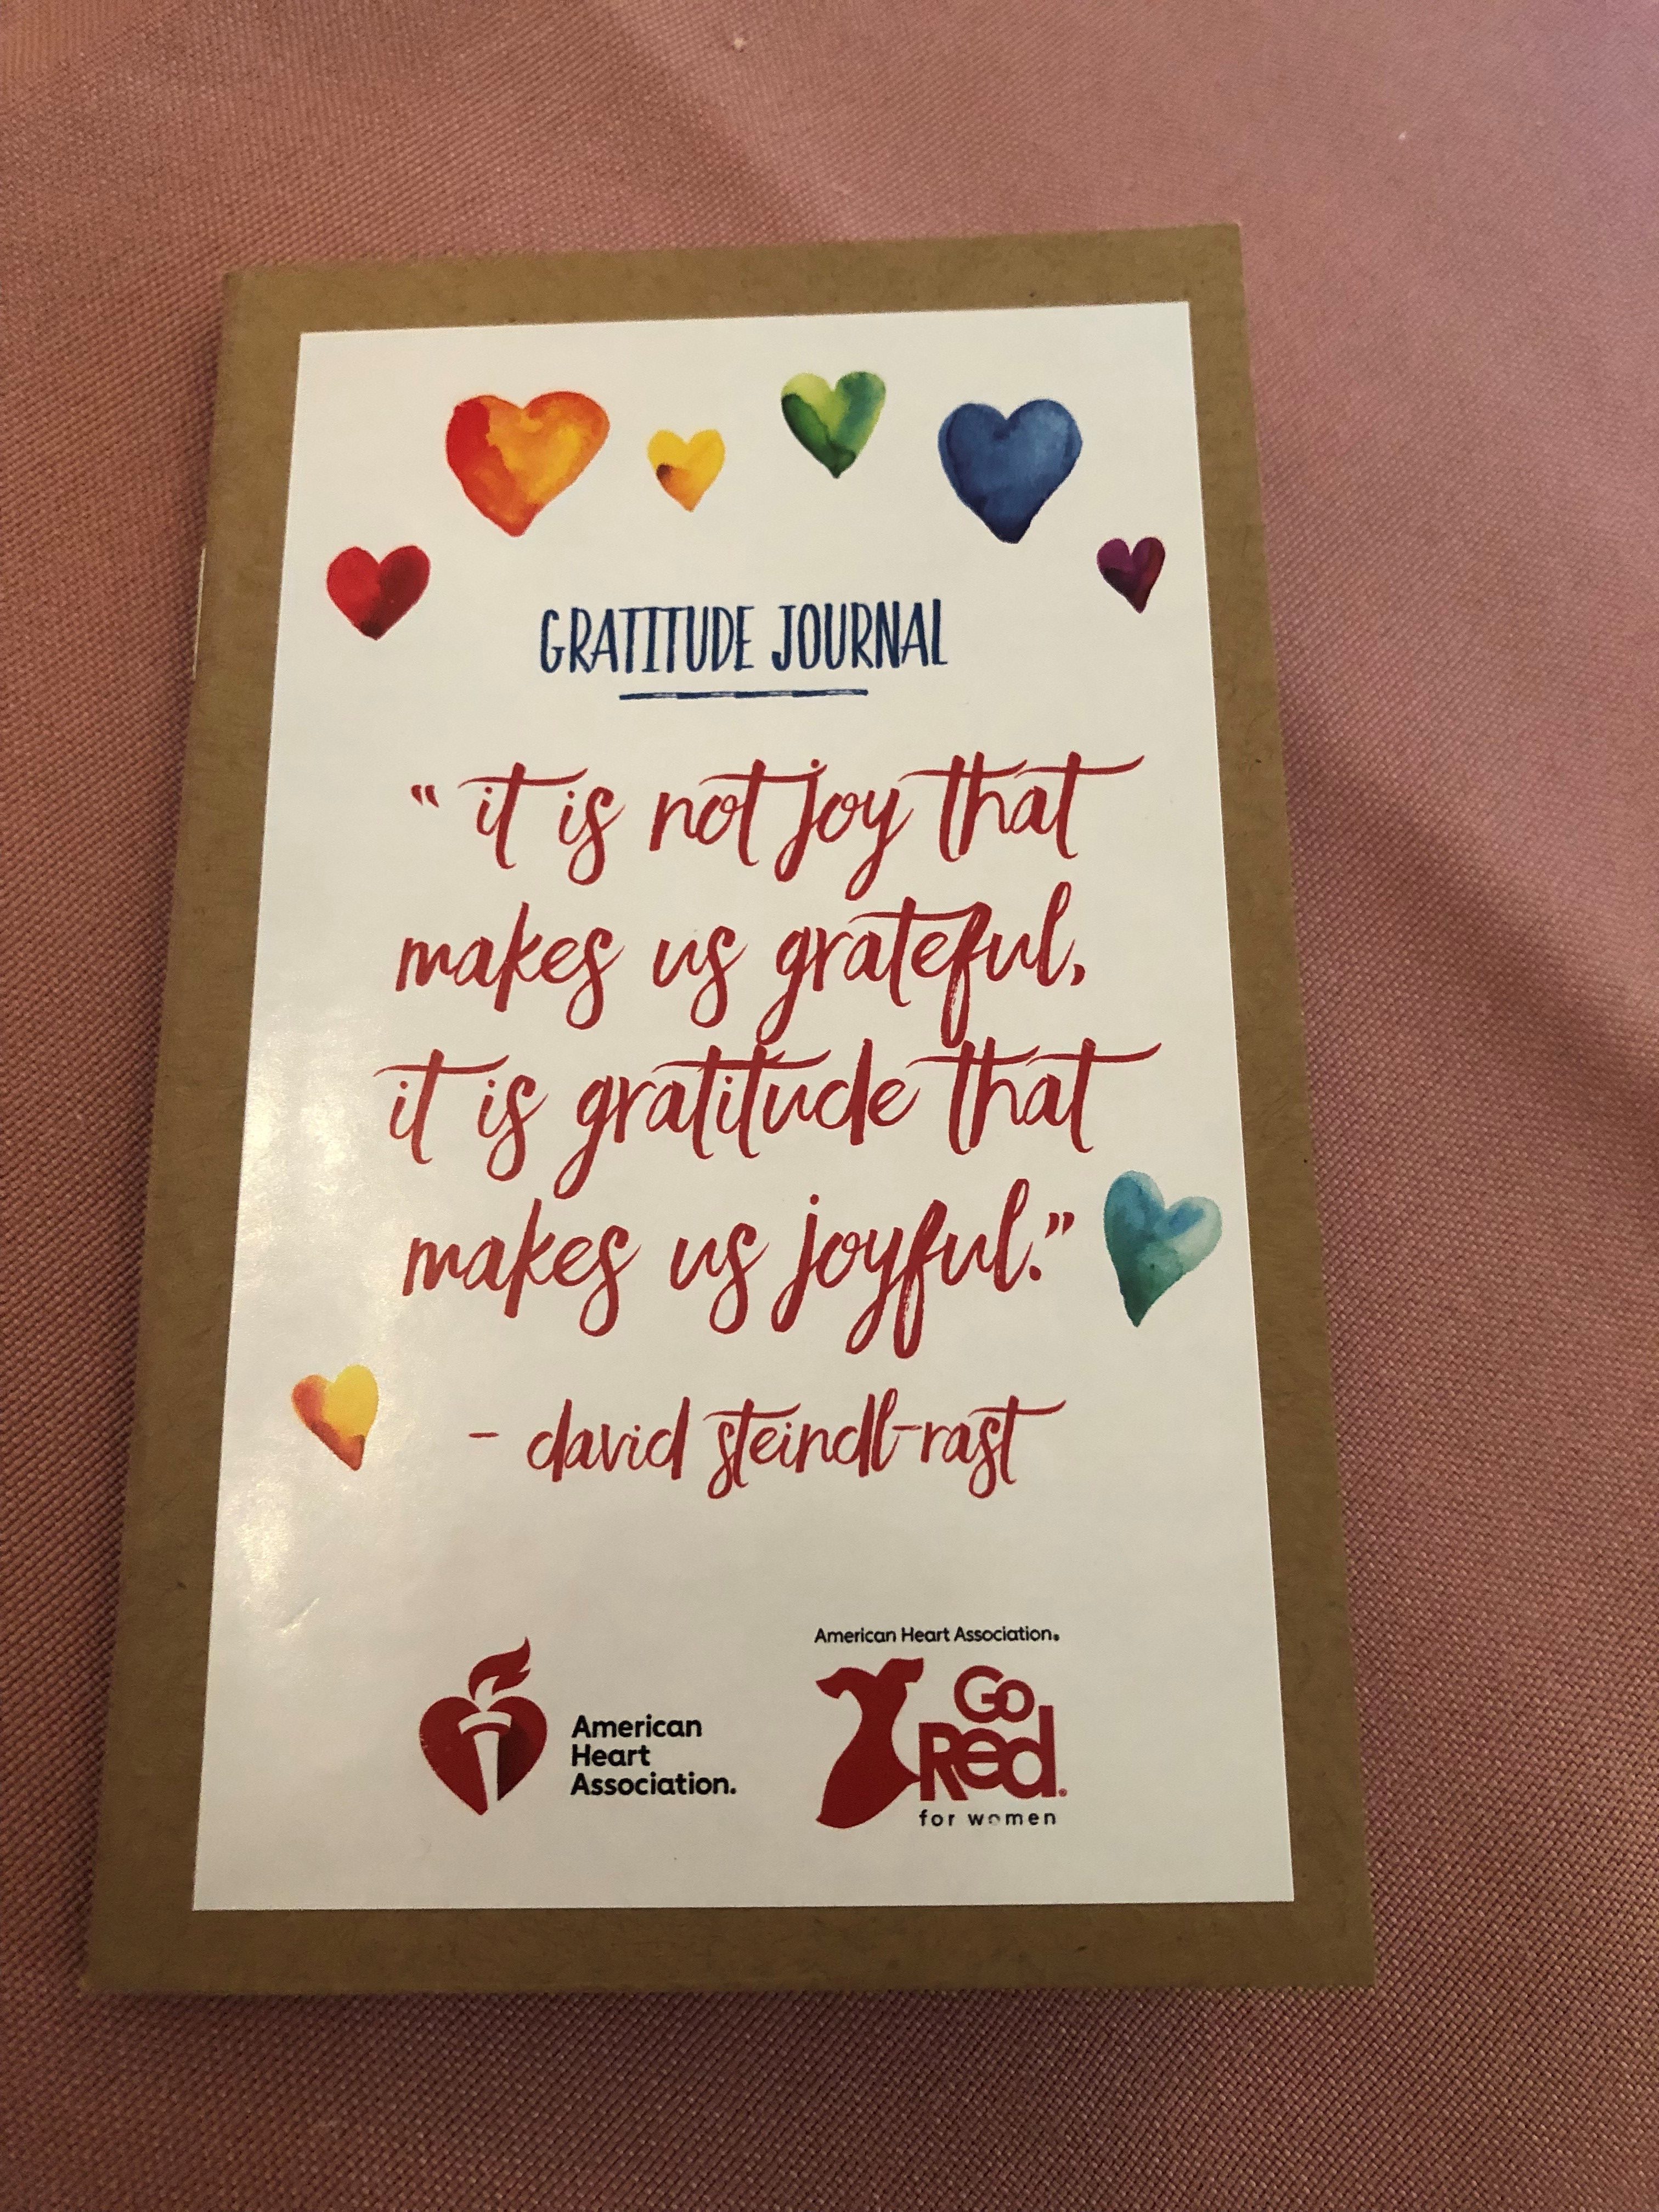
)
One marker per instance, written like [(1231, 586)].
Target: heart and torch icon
[(482, 1746)]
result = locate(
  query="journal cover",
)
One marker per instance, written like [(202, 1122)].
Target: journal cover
[(732, 1385)]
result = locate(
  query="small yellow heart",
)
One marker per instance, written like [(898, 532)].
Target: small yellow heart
[(339, 1413), (686, 471)]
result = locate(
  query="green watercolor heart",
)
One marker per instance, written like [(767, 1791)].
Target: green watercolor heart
[(1151, 1245), (834, 426)]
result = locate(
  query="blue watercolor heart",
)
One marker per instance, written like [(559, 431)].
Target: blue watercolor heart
[(1151, 1245), (1005, 468)]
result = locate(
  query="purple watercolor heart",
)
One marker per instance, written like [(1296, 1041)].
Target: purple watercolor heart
[(1132, 575)]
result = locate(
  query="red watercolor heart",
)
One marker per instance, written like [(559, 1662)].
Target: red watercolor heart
[(373, 594), (1132, 575)]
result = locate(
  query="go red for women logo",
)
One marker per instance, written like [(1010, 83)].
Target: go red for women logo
[(869, 1775)]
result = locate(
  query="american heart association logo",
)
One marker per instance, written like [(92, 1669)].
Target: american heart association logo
[(482, 1745)]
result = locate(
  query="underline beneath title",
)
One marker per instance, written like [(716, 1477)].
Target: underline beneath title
[(851, 691)]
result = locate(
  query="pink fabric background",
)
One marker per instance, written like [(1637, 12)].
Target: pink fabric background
[(1449, 210)]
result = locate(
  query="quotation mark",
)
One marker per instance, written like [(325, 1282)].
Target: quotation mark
[(1058, 1225), (423, 794)]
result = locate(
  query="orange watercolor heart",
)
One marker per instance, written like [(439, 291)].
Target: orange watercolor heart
[(339, 1413), (686, 469), (511, 460)]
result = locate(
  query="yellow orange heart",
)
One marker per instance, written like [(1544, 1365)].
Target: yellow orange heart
[(686, 468), (512, 460), (339, 1413)]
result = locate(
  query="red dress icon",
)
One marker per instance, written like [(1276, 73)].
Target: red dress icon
[(482, 1745), (869, 1774)]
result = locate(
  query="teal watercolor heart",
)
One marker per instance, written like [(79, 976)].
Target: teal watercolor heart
[(1154, 1245), (834, 424)]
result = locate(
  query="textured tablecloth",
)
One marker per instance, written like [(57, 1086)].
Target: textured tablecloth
[(1449, 213)]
